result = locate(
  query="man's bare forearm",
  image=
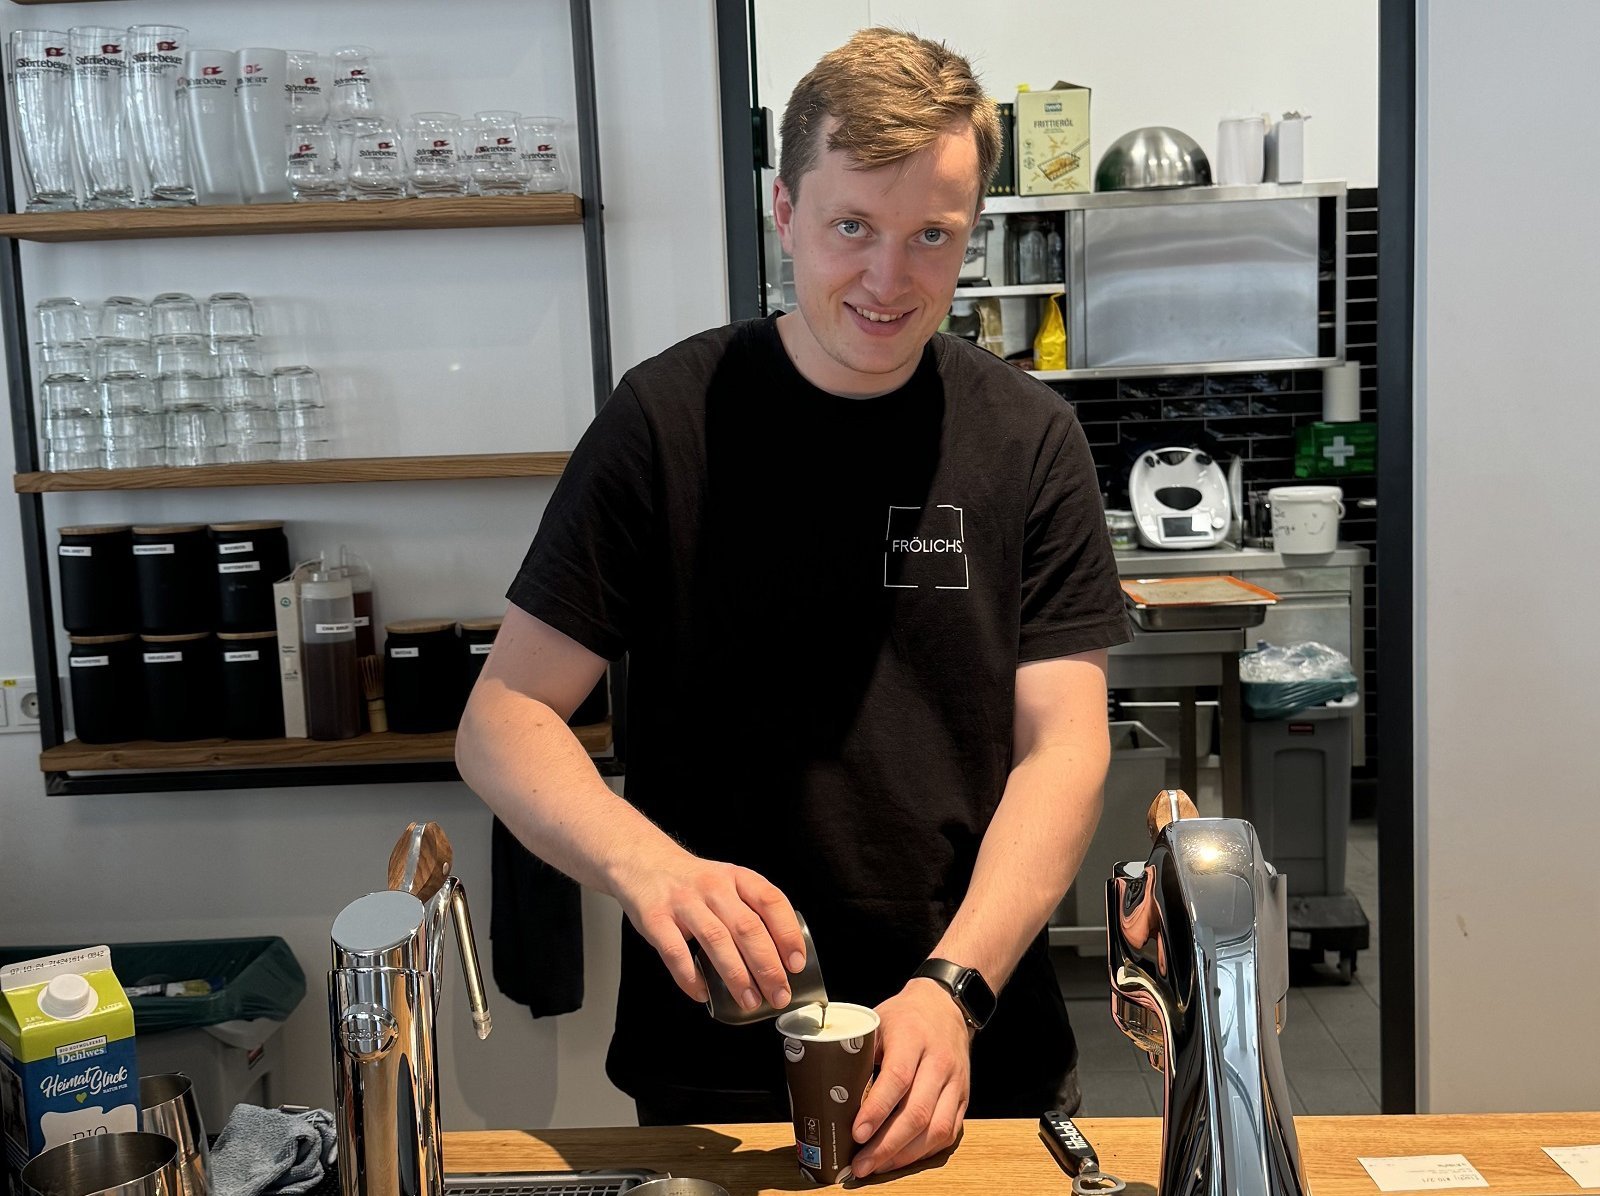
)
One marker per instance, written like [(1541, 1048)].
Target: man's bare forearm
[(1029, 856), (520, 756)]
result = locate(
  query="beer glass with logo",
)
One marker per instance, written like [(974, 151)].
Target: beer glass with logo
[(41, 94), (155, 63), (434, 158), (99, 64), (497, 165), (377, 167)]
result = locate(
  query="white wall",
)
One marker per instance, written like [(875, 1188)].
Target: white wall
[(459, 341), (1507, 798), (1160, 62)]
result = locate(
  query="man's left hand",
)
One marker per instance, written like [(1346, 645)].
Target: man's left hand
[(917, 1102)]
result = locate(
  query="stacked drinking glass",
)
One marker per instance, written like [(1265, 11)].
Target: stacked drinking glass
[(173, 382)]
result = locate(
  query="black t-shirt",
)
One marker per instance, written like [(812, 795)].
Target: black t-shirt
[(825, 601)]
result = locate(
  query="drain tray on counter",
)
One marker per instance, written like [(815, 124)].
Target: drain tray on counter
[(548, 1183)]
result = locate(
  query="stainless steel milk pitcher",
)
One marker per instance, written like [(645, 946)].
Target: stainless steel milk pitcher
[(383, 995)]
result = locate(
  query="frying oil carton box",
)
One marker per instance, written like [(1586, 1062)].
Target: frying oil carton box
[(1052, 140), (67, 1067)]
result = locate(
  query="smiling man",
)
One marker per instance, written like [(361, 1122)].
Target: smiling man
[(862, 573)]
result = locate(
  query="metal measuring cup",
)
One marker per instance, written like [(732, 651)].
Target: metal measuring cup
[(805, 986)]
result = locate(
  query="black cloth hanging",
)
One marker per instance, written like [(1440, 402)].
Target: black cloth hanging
[(535, 929)]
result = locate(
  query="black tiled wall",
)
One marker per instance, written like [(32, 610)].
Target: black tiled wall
[(1254, 416)]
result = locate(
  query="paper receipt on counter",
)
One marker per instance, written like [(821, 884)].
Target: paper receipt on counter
[(1423, 1173)]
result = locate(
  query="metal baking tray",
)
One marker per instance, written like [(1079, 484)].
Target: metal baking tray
[(612, 1182), (1219, 603)]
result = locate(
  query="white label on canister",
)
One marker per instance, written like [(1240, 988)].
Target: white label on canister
[(334, 628), (404, 653), (162, 657), (363, 621), (76, 550), (480, 649), (237, 546), (90, 662), (235, 657), (153, 550), (239, 567)]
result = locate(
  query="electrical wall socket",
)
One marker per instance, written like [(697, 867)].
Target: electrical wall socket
[(19, 704)]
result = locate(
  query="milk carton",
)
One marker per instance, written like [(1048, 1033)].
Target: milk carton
[(67, 1067)]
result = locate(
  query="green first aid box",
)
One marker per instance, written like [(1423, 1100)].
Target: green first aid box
[(1335, 450)]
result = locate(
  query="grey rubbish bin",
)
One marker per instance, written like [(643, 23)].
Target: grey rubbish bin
[(1297, 794), (1137, 773)]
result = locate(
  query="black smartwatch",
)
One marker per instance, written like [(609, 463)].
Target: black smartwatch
[(968, 988)]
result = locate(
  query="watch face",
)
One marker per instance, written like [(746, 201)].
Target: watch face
[(976, 995)]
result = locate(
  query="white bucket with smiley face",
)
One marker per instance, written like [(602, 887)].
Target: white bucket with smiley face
[(1305, 519)]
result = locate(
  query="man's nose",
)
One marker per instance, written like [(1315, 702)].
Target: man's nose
[(888, 272)]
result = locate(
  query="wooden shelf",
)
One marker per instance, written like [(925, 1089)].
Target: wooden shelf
[(242, 220), (388, 747), (300, 473)]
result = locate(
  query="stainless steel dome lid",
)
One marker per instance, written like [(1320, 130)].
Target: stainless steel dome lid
[(1152, 158)]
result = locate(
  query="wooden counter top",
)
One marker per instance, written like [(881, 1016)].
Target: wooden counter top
[(1007, 1157)]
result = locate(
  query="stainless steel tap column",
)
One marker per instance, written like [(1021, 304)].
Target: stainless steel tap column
[(1199, 962), (383, 995)]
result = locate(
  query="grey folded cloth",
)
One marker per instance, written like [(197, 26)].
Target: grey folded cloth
[(262, 1152)]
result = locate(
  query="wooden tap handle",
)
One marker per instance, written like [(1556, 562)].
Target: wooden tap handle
[(421, 860), (1160, 812)]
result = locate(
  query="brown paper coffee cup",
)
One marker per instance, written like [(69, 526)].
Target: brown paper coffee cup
[(828, 1054)]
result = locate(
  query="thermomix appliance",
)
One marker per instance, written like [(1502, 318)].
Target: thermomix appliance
[(1179, 498)]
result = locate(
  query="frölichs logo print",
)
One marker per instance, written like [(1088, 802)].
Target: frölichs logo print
[(925, 548)]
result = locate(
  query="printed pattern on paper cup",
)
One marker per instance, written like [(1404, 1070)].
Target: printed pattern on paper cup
[(853, 1045), (839, 1093), (794, 1050)]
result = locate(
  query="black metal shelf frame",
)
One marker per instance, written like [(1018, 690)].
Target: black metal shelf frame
[(35, 549)]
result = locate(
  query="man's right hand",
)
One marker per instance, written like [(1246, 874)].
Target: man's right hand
[(744, 924)]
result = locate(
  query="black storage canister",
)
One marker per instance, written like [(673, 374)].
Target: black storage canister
[(421, 675), (248, 558), (180, 686), (176, 592), (98, 594), (103, 675), (477, 637), (252, 693)]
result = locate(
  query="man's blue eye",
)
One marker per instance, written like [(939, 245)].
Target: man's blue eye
[(849, 227)]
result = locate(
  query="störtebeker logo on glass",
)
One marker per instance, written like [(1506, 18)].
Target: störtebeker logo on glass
[(925, 548)]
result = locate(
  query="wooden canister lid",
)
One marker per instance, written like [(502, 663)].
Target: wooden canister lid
[(418, 626), (93, 529), (250, 525), (487, 623), (186, 637), (86, 640), (247, 635), (168, 529)]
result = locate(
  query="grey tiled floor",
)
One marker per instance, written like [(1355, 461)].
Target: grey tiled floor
[(1329, 1041)]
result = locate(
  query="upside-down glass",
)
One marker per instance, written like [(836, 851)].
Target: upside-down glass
[(302, 419), (250, 434), (307, 83), (315, 172), (172, 313), (541, 138), (355, 85), (99, 65), (72, 361), (184, 356), (434, 155), (155, 62), (64, 321), (193, 436), (41, 96), (497, 165), (125, 318), (123, 359), (68, 398), (377, 167), (230, 315)]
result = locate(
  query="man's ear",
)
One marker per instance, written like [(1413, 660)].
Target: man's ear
[(783, 215)]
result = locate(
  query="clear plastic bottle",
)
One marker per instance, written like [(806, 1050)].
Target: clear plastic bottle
[(1032, 254), (353, 567), (328, 657)]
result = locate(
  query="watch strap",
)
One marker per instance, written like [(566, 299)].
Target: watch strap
[(949, 976)]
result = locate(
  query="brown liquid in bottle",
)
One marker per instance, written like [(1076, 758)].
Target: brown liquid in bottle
[(333, 707), (366, 641)]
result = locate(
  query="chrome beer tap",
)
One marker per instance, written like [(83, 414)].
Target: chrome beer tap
[(383, 995), (1199, 963)]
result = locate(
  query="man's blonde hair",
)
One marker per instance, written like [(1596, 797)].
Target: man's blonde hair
[(890, 94)]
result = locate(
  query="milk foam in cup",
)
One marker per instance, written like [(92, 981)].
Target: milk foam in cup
[(828, 1053), (67, 1064)]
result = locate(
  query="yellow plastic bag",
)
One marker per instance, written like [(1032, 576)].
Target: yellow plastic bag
[(1050, 343)]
